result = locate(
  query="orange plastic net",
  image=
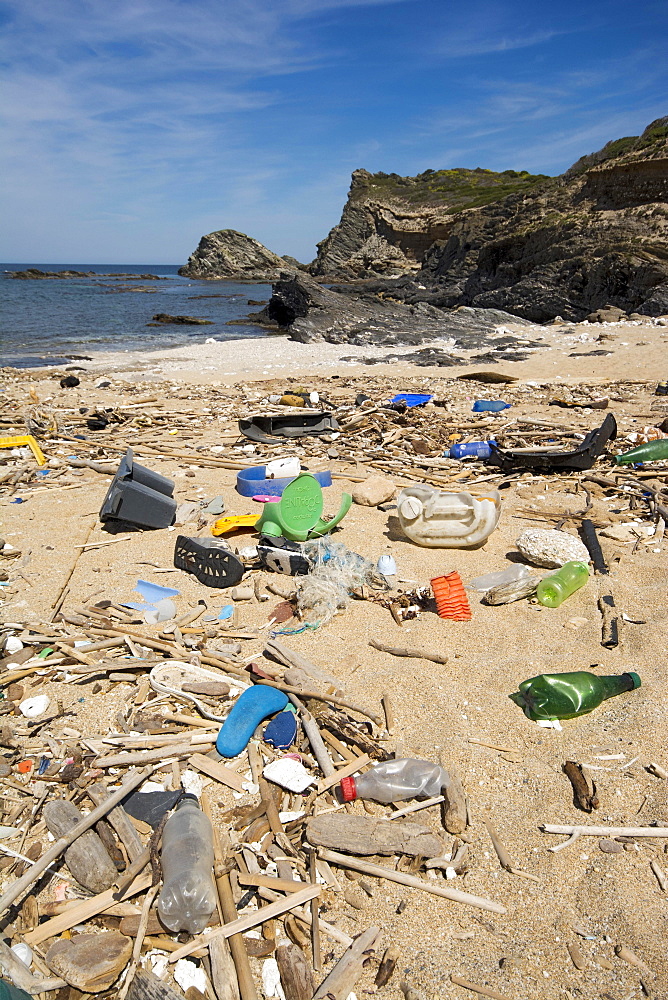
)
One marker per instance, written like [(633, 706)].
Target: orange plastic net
[(451, 599)]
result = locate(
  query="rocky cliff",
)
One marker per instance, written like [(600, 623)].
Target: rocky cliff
[(229, 254), (389, 222), (596, 236)]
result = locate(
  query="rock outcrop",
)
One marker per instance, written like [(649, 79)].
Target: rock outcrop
[(594, 238), (389, 222), (232, 255), (352, 316)]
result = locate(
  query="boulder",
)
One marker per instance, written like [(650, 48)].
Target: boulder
[(230, 254), (551, 548)]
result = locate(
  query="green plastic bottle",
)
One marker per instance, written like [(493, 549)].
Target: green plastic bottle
[(9, 992), (652, 451), (565, 696), (555, 588)]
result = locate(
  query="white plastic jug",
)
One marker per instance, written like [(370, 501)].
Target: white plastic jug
[(437, 519)]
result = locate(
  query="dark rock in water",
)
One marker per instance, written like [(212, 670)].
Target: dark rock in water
[(165, 318), (358, 316), (34, 274), (232, 255)]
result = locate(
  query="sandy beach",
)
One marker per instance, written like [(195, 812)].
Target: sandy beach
[(178, 410)]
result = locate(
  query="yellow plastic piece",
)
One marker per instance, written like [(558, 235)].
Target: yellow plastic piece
[(224, 525), (22, 439)]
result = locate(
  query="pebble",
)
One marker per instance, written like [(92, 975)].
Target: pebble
[(90, 962), (610, 846)]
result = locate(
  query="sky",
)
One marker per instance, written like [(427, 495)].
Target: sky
[(130, 129)]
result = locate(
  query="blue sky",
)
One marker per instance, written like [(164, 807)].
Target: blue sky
[(129, 129)]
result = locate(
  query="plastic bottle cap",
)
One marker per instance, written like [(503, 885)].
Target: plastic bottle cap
[(635, 678), (348, 789), (411, 507)]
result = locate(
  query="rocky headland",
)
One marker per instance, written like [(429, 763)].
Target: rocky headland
[(408, 251)]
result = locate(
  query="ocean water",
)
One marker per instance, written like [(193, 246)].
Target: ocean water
[(53, 321)]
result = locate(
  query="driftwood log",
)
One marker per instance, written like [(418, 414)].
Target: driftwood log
[(296, 975), (341, 980), (364, 835)]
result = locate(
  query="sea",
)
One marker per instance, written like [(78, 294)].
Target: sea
[(53, 321)]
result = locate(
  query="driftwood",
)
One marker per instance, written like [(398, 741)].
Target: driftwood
[(296, 975), (415, 652), (346, 730), (21, 975), (364, 835), (341, 980), (502, 854), (584, 797), (134, 779), (146, 986), (573, 832), (411, 880), (387, 966), (119, 819), (87, 858), (482, 991), (455, 808)]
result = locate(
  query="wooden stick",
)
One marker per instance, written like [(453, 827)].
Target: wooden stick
[(314, 737), (269, 882), (341, 980), (21, 975), (483, 991), (133, 780), (502, 854), (660, 832), (57, 604), (250, 920), (268, 801), (316, 948), (411, 880), (660, 875), (417, 806), (160, 754), (388, 709), (139, 940), (416, 652), (119, 819), (303, 914), (213, 769), (343, 772), (83, 911)]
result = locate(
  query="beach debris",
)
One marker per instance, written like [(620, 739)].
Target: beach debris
[(362, 835), (139, 496), (297, 515), (87, 858), (450, 596), (210, 561), (251, 707), (585, 796), (550, 548), (434, 518), (90, 962)]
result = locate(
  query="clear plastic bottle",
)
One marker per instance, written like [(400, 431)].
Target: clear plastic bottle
[(395, 780), (556, 587), (188, 896), (518, 571)]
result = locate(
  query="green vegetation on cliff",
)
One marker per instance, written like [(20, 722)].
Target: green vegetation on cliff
[(458, 189)]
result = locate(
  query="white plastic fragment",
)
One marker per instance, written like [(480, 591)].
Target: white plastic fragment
[(23, 952), (187, 974), (34, 707), (271, 979), (289, 773)]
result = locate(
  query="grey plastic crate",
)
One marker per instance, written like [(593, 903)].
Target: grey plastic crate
[(139, 496)]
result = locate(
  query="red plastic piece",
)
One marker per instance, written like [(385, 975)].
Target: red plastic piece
[(451, 599), (25, 766), (348, 789)]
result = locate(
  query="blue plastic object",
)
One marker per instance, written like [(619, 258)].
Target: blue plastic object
[(474, 449), (412, 398), (281, 731), (489, 406), (253, 482), (154, 592), (251, 707)]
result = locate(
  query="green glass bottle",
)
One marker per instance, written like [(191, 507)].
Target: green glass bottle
[(651, 451), (9, 992), (565, 696), (556, 587)]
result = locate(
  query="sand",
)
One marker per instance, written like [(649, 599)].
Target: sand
[(514, 773)]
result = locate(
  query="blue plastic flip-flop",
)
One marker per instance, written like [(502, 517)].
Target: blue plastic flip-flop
[(281, 731), (251, 707)]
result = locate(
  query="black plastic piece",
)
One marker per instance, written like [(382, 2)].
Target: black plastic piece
[(139, 496), (209, 561), (282, 556), (583, 457), (289, 425)]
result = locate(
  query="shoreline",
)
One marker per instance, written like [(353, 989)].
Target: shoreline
[(565, 355)]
